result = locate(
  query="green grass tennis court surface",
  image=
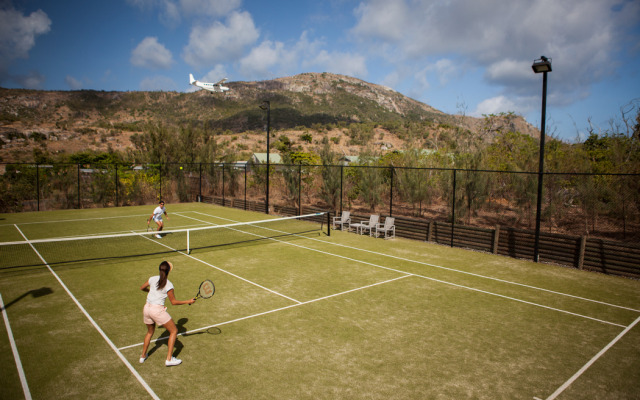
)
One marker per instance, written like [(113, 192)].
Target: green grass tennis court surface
[(306, 317)]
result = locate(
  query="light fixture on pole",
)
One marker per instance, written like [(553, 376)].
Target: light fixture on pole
[(543, 65), (266, 105)]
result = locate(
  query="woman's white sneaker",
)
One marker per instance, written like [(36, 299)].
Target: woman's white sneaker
[(172, 362)]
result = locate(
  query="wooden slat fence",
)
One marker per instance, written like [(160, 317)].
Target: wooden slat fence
[(609, 257)]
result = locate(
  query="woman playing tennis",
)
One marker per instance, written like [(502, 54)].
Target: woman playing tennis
[(154, 312), (157, 217)]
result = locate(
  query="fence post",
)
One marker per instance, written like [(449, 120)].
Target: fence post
[(429, 231), (79, 204), (391, 194), (453, 208), (341, 175), (300, 188), (38, 184), (116, 174), (496, 239), (583, 246)]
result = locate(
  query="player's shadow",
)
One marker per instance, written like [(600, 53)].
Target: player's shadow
[(164, 337), (35, 293)]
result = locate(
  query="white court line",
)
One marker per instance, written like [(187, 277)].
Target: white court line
[(14, 349), (222, 270), (593, 360), (452, 269), (95, 325), (438, 280), (79, 219), (272, 311)]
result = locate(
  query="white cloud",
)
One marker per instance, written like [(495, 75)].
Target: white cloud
[(509, 72), (17, 37), (494, 105), (339, 63), (445, 69), (18, 32), (172, 12), (582, 38), (211, 8), (382, 18), (32, 80), (217, 73), (264, 58), (220, 42), (73, 83), (520, 105), (151, 54)]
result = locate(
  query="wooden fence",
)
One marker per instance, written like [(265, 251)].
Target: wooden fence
[(582, 252)]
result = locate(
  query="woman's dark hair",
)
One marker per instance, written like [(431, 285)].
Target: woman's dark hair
[(164, 268)]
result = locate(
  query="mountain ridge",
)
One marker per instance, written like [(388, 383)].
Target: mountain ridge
[(321, 103)]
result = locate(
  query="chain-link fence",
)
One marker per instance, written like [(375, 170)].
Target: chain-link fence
[(486, 210)]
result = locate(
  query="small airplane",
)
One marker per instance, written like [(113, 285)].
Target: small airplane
[(212, 87)]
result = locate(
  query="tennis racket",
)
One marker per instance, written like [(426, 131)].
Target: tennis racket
[(206, 290)]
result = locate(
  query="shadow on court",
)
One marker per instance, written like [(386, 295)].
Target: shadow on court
[(35, 293), (164, 336), (182, 331)]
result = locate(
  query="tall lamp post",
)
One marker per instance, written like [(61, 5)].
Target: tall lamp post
[(266, 105), (543, 65)]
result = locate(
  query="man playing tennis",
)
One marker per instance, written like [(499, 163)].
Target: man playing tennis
[(157, 217), (154, 312)]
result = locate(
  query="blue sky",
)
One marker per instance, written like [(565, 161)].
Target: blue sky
[(459, 56)]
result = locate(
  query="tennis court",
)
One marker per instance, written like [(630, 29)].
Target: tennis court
[(301, 316)]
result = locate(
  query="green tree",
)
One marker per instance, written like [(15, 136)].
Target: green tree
[(330, 175)]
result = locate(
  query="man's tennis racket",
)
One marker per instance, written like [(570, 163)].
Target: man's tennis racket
[(207, 289)]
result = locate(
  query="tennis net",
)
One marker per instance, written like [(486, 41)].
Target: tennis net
[(134, 244)]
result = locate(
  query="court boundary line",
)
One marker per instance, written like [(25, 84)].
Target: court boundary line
[(73, 220), (192, 331), (589, 363), (126, 362), (14, 350), (440, 281), (451, 269), (221, 270), (570, 380)]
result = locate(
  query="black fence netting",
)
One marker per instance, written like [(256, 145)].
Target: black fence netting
[(494, 211)]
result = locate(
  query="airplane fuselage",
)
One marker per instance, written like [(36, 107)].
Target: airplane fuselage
[(212, 87)]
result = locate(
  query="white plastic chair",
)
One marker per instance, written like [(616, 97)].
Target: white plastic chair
[(388, 228), (344, 220), (370, 226)]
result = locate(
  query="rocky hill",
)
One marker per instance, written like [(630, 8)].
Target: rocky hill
[(310, 104)]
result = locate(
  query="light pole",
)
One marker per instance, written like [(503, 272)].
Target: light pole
[(543, 65), (266, 105)]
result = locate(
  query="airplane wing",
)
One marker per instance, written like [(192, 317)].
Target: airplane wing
[(221, 81)]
